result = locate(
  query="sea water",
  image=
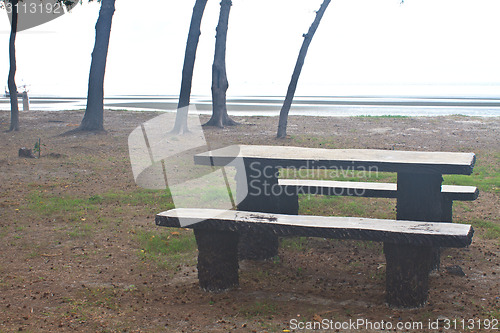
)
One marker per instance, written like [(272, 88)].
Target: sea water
[(302, 105)]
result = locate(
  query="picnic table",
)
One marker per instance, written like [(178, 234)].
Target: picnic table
[(410, 253)]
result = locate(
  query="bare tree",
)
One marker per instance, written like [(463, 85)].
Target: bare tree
[(14, 107), (29, 19), (188, 67), (220, 84), (93, 119), (298, 68)]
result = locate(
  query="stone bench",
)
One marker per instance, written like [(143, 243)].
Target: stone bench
[(407, 273), (376, 190)]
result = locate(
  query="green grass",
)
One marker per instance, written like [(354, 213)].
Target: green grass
[(494, 314), (136, 198), (166, 242), (298, 244), (488, 229), (76, 207), (46, 205), (339, 175), (81, 231), (485, 176), (168, 247), (346, 206), (259, 309)]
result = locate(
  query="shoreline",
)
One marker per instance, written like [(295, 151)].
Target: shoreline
[(303, 105), (420, 132)]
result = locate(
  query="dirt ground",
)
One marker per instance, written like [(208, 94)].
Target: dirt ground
[(84, 270)]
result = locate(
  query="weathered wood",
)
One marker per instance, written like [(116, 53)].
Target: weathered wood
[(398, 232), (368, 160), (217, 259), (460, 193), (408, 244), (369, 189)]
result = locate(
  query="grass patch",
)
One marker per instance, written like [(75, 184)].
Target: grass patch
[(259, 309), (486, 174), (81, 231), (138, 197), (487, 229), (168, 248), (339, 175), (298, 244), (485, 177), (494, 314), (74, 208), (346, 206), (102, 297), (45, 205)]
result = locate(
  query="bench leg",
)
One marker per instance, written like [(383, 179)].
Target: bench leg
[(407, 275), (447, 207), (447, 211), (419, 198), (217, 259), (263, 195), (257, 246), (261, 246)]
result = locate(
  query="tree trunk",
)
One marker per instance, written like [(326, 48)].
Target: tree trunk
[(14, 107), (93, 120), (220, 84), (188, 67), (298, 68)]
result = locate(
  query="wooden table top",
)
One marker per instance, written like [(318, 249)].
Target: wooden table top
[(356, 159)]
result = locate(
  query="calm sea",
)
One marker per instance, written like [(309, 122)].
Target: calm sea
[(303, 105)]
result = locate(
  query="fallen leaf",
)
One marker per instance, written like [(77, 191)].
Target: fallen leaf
[(317, 317)]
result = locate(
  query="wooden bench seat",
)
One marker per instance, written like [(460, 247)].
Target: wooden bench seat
[(370, 189), (217, 234), (376, 190)]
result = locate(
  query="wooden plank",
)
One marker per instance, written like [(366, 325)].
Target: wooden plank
[(393, 231), (370, 189), (353, 159), (461, 193)]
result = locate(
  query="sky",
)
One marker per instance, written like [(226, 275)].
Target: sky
[(443, 47)]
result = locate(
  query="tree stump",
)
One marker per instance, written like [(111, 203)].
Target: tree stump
[(26, 153)]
